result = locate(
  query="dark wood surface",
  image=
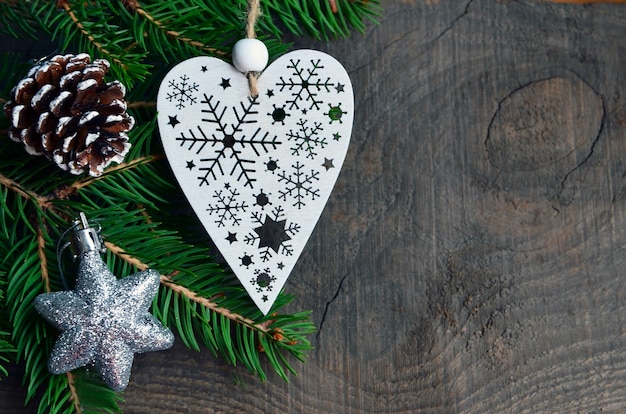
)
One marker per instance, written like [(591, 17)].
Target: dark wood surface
[(472, 256)]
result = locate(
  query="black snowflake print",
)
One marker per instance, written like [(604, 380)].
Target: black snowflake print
[(305, 84), (182, 92), (231, 136), (272, 234), (262, 199), (246, 260), (278, 115), (271, 165), (306, 139), (263, 280), (335, 113), (226, 206), (227, 141), (298, 185)]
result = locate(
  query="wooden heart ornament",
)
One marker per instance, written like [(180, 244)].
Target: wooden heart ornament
[(257, 171)]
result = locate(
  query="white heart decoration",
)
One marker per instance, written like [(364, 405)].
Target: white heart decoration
[(257, 172)]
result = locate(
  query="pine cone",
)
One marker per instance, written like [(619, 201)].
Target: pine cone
[(64, 110)]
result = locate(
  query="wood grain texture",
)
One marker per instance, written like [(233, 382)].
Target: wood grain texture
[(472, 256), (587, 1)]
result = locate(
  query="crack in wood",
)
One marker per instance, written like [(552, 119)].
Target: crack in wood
[(493, 142), (321, 325), (454, 22), (408, 33), (591, 150)]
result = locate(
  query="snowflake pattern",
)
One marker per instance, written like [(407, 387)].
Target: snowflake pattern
[(272, 233), (306, 139), (229, 140), (226, 206), (305, 84), (299, 185), (181, 92), (263, 280)]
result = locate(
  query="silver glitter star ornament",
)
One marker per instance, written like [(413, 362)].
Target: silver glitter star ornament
[(103, 321)]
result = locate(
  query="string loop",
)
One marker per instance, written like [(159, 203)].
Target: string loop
[(254, 11)]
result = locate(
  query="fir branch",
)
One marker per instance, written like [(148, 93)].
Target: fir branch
[(43, 261), (93, 395), (321, 19), (27, 194), (118, 251), (189, 294), (13, 14), (194, 297), (135, 7), (24, 283), (74, 394), (64, 4), (92, 27), (135, 199), (7, 350), (65, 192)]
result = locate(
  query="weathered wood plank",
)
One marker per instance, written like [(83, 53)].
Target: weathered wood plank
[(471, 258)]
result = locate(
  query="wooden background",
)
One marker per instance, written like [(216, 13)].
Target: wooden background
[(472, 256)]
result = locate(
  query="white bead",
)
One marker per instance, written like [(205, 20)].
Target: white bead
[(250, 55)]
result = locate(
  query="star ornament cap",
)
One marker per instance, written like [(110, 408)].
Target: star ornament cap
[(104, 321)]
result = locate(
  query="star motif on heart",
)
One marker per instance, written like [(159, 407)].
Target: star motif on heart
[(328, 164), (272, 233), (232, 237), (173, 121), (225, 83), (104, 321)]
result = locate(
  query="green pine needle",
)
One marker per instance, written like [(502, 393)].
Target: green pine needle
[(94, 395), (7, 351)]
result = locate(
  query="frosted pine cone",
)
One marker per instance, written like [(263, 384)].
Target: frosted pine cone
[(65, 110)]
